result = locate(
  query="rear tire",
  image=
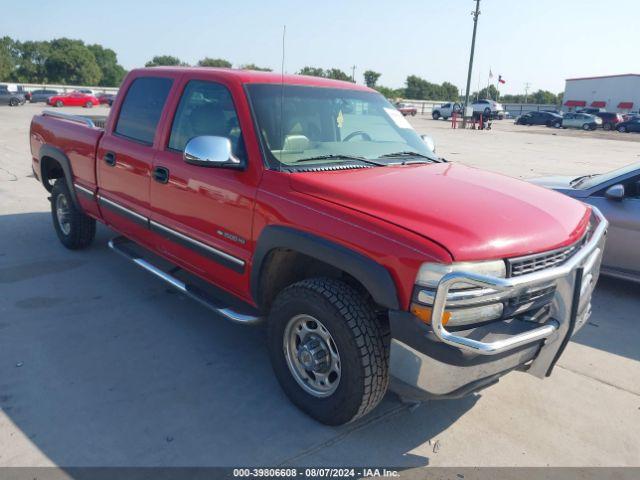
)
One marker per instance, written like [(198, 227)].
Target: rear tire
[(557, 124), (356, 338), (607, 126), (13, 102), (622, 129), (586, 126), (74, 229)]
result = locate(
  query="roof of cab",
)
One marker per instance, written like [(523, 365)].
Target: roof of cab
[(253, 76)]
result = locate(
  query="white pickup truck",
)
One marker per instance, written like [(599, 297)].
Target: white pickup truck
[(488, 108)]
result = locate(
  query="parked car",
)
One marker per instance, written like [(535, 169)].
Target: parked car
[(11, 98), (87, 91), (584, 121), (73, 99), (538, 118), (632, 125), (368, 257), (617, 195), (553, 110), (405, 109), (488, 109), (609, 119), (446, 110), (629, 116), (106, 98), (42, 95)]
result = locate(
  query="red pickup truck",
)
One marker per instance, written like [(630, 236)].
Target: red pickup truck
[(313, 205)]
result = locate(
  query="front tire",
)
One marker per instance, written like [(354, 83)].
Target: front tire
[(435, 115), (59, 103), (622, 129), (607, 126), (323, 330), (13, 102), (75, 230), (88, 105), (586, 126)]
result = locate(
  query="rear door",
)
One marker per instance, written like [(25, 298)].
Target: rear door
[(125, 154)]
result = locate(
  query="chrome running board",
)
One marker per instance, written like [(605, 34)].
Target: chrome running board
[(127, 248)]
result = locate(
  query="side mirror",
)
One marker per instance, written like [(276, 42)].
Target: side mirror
[(615, 192), (429, 142), (210, 151)]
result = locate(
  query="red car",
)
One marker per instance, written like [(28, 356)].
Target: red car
[(405, 109), (74, 99), (370, 259)]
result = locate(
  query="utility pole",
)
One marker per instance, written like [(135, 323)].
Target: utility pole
[(353, 74), (473, 47), (526, 91)]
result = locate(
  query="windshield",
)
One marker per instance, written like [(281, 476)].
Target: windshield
[(318, 125), (595, 180)]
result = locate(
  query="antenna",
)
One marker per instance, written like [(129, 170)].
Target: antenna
[(284, 32)]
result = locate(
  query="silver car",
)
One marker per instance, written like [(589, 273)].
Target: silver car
[(617, 195), (584, 121)]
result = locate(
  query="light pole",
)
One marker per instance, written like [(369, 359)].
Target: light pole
[(473, 47), (353, 74)]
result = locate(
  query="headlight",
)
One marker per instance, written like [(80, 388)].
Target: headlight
[(430, 273), (427, 280)]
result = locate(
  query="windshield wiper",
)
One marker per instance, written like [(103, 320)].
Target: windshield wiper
[(340, 157), (409, 153), (577, 181)]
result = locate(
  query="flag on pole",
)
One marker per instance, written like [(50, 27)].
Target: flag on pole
[(500, 79)]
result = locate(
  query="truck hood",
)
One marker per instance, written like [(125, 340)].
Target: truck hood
[(474, 214)]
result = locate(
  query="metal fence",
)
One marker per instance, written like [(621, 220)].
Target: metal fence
[(29, 87), (425, 107)]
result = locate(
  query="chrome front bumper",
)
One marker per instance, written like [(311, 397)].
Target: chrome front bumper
[(441, 362)]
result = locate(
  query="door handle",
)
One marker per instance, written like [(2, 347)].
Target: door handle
[(110, 159), (161, 174)]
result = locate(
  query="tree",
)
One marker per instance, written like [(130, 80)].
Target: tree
[(312, 71), (371, 78), (390, 92), (214, 62), (420, 89), (71, 62), (337, 74), (253, 66), (112, 72), (490, 92), (30, 61), (6, 58), (449, 92), (543, 97), (165, 61)]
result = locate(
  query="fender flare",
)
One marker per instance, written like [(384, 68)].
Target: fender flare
[(375, 278), (59, 156)]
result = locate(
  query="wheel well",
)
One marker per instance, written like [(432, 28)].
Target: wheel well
[(283, 267), (50, 169)]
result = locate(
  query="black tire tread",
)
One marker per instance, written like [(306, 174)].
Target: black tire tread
[(83, 227), (370, 338)]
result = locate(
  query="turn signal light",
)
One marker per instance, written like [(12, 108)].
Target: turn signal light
[(424, 313)]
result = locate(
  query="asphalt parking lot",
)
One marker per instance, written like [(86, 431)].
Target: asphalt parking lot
[(102, 365)]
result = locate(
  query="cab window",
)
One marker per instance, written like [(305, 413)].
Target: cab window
[(142, 107), (206, 108)]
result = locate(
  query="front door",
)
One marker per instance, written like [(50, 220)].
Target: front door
[(125, 156), (623, 238), (204, 214)]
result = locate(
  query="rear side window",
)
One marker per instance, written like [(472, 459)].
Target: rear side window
[(142, 107)]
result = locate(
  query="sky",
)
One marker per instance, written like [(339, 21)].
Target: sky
[(539, 42)]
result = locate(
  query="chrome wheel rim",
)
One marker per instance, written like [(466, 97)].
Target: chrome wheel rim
[(312, 355), (63, 213)]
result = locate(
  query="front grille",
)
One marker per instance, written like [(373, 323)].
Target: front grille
[(540, 261)]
